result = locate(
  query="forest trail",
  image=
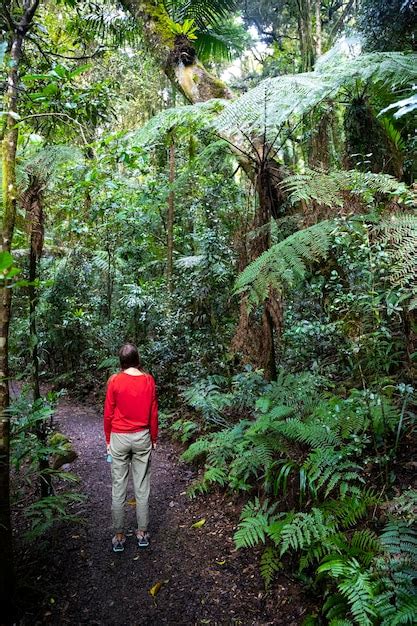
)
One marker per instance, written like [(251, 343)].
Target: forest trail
[(205, 580)]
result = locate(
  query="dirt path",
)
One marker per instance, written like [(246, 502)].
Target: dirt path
[(205, 580)]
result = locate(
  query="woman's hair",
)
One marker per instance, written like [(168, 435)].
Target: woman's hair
[(129, 356)]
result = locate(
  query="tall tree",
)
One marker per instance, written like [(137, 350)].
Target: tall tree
[(18, 28)]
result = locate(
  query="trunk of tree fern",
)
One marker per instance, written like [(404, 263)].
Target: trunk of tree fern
[(254, 337)]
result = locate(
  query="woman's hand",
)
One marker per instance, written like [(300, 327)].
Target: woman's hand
[(108, 448), (154, 445)]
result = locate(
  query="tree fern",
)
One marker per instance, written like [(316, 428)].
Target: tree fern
[(192, 118), (265, 109), (328, 188)]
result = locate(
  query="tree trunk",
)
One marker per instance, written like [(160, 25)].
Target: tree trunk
[(170, 216), (175, 53), (318, 28), (9, 147), (254, 337), (7, 581), (305, 35)]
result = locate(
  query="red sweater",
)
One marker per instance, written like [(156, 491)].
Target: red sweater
[(131, 405)]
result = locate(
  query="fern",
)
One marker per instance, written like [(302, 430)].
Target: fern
[(286, 262), (193, 118), (289, 97), (400, 539), (212, 475), (251, 462), (328, 188), (328, 468), (196, 449), (254, 522), (350, 510), (299, 531), (355, 585), (269, 565), (311, 433), (399, 235)]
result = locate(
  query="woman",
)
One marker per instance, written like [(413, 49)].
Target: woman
[(131, 430)]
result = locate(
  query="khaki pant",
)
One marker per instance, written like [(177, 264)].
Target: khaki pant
[(134, 449)]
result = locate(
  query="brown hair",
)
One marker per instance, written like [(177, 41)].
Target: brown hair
[(129, 356)]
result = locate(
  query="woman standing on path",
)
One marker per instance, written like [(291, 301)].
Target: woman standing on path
[(131, 430)]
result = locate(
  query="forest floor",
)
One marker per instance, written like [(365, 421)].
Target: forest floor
[(74, 577)]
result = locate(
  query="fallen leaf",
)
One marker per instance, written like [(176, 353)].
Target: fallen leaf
[(220, 562), (154, 590), (199, 524), (135, 558), (131, 502)]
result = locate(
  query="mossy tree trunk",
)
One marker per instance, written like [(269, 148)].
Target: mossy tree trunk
[(32, 202), (175, 53), (18, 31)]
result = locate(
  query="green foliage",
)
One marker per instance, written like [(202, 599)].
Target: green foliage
[(266, 108), (399, 234), (355, 585), (328, 188), (269, 565), (28, 420), (286, 263), (46, 512), (254, 523), (184, 429)]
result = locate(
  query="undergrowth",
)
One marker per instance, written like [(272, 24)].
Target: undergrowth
[(319, 464)]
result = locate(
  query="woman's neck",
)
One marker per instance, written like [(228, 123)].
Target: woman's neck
[(133, 371)]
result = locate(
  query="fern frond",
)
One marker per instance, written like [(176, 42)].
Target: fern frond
[(286, 262), (355, 585), (266, 108), (197, 116), (400, 539), (196, 449), (211, 476), (304, 529), (350, 510), (269, 565), (254, 522), (313, 434)]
